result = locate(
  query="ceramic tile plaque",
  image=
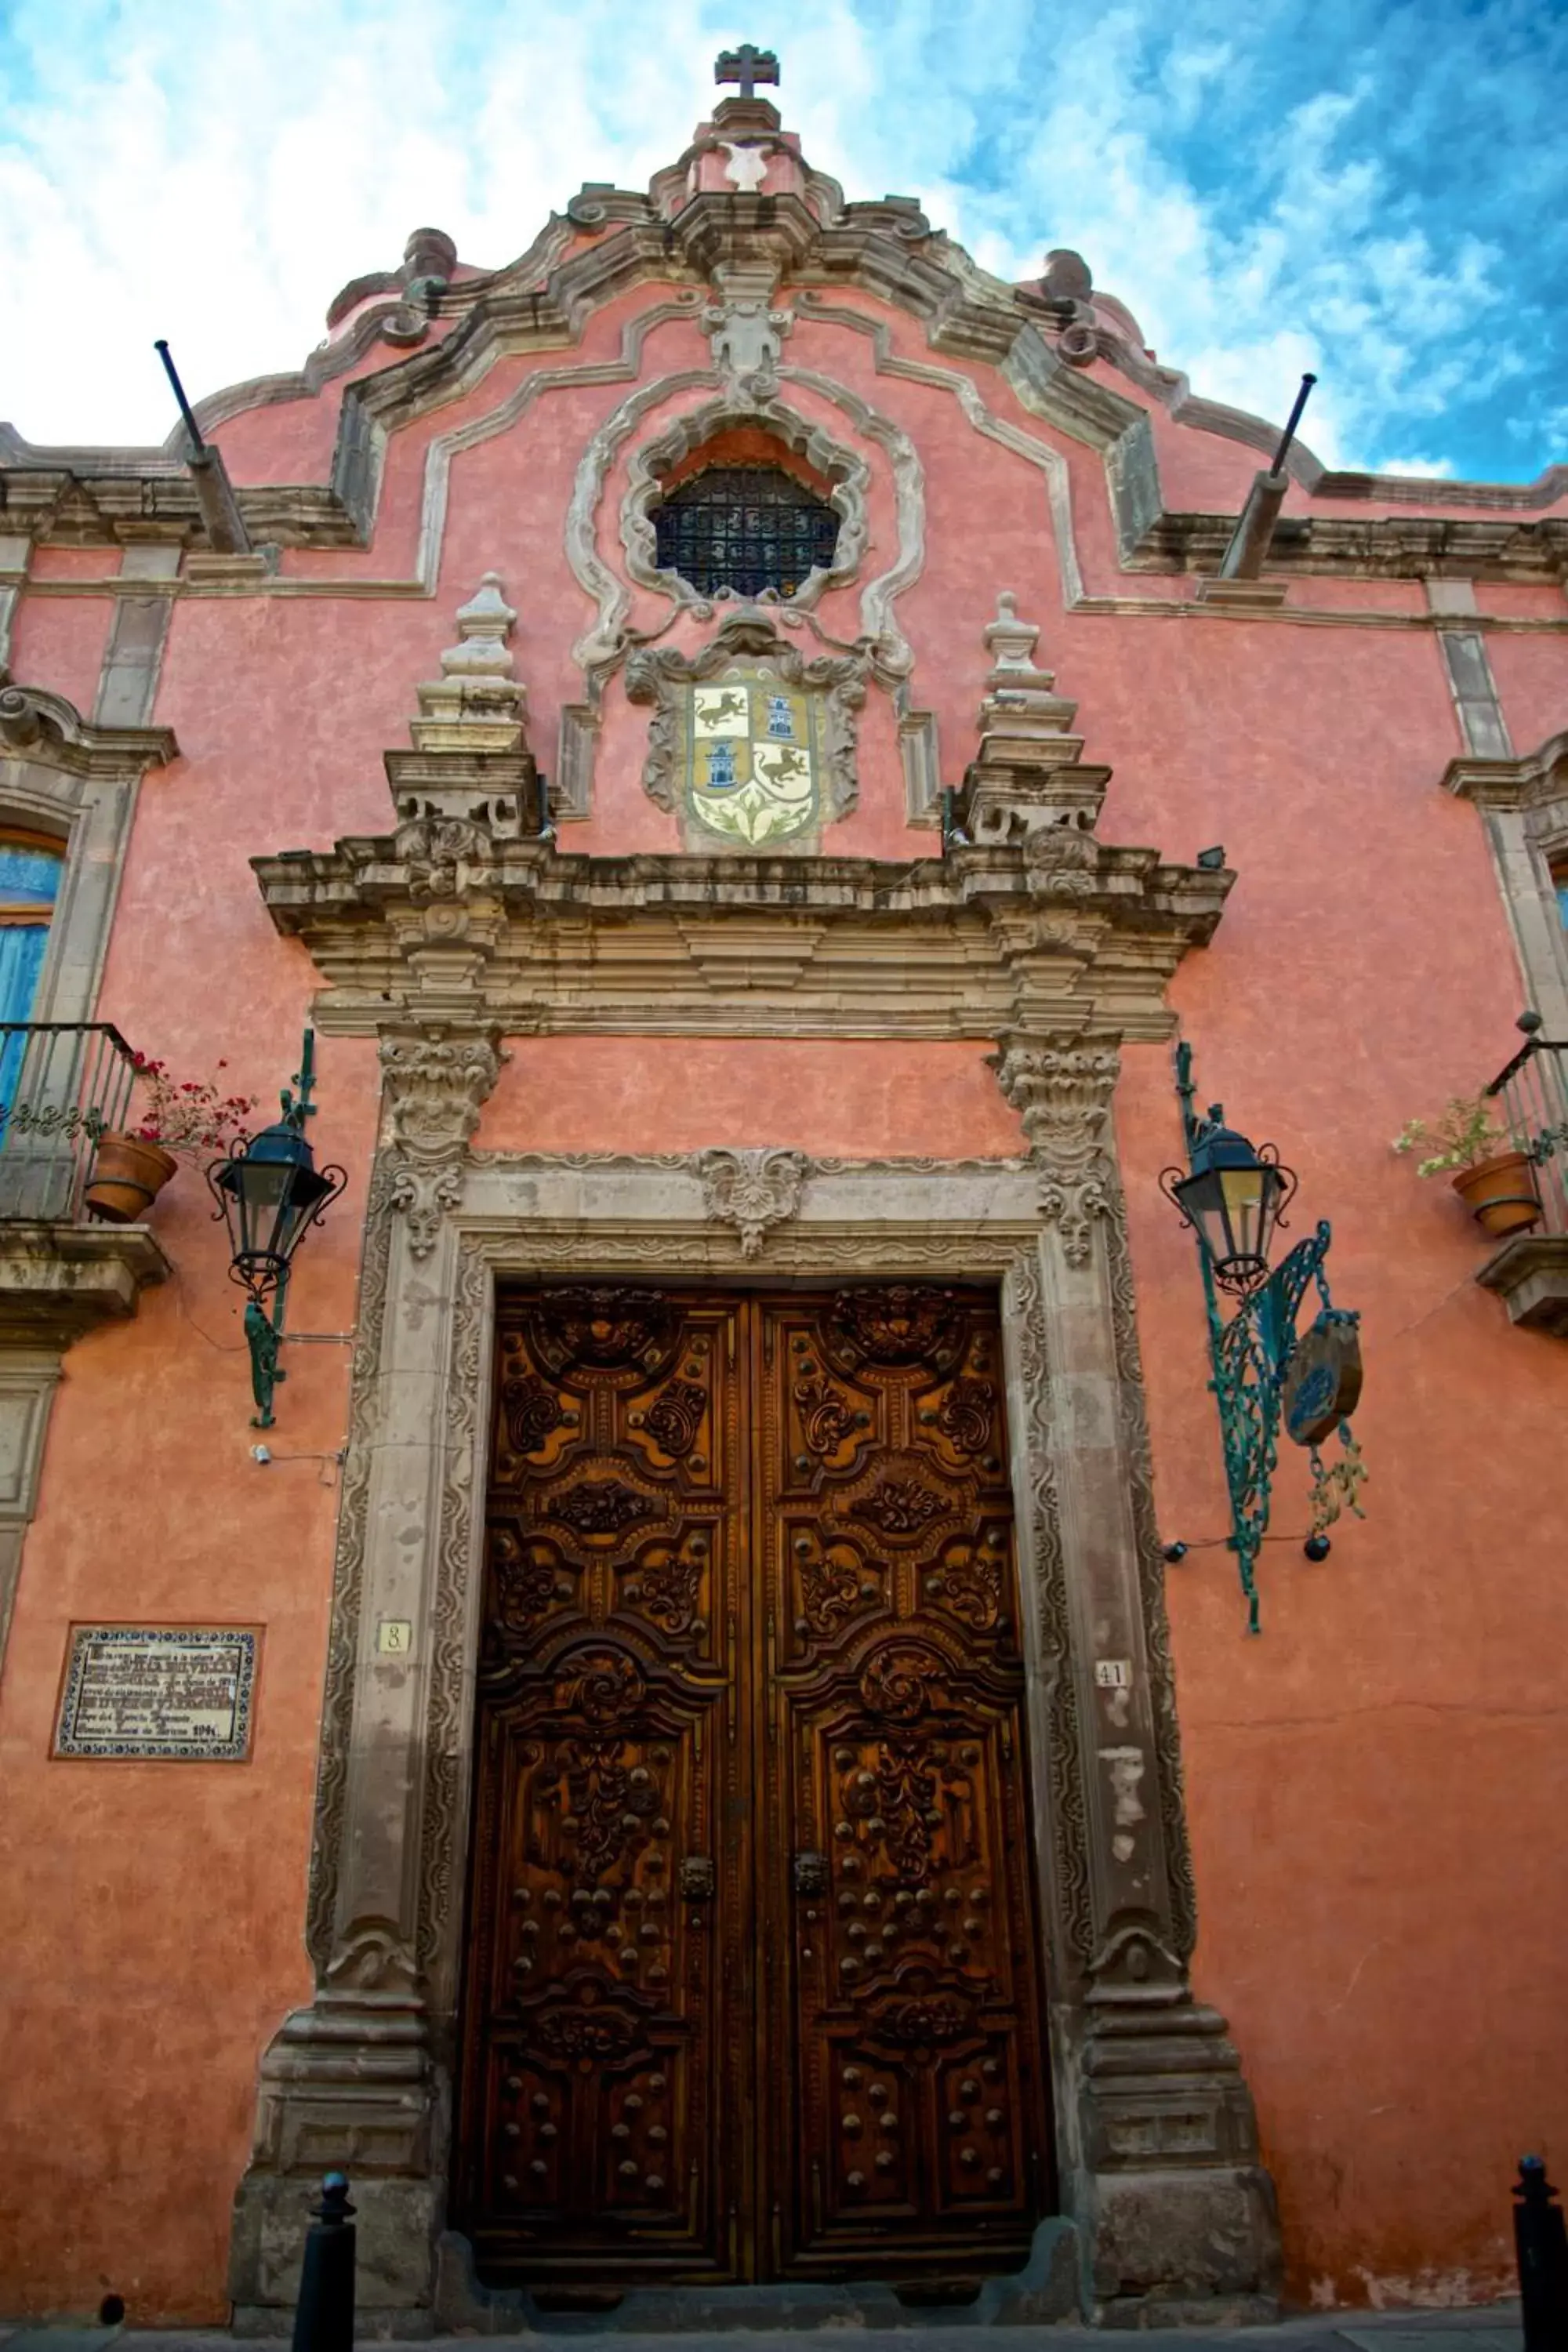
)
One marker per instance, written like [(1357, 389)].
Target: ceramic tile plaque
[(177, 1694)]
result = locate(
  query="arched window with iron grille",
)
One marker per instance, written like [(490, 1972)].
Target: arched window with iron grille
[(745, 528)]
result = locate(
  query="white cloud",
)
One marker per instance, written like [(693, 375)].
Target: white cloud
[(214, 172)]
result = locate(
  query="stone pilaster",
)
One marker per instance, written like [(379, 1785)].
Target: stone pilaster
[(1159, 2145), (356, 2079)]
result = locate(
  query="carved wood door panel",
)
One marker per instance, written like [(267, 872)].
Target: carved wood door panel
[(609, 1947), (753, 1985), (896, 1846)]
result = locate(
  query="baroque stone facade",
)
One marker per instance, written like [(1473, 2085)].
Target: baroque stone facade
[(565, 1032)]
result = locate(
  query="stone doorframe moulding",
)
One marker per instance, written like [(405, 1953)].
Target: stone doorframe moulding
[(1157, 2142)]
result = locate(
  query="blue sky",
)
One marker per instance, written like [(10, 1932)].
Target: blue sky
[(1379, 192)]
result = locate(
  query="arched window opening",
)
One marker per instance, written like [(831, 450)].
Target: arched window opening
[(746, 527)]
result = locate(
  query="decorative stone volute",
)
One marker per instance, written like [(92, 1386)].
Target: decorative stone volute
[(1026, 775)]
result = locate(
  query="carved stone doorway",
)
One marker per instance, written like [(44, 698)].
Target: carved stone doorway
[(752, 1983)]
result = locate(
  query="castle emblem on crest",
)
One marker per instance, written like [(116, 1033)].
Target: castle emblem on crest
[(753, 758), (752, 747)]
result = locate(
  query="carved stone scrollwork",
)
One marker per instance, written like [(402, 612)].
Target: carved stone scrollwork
[(751, 1190), (1062, 1094), (425, 1195), (434, 1088)]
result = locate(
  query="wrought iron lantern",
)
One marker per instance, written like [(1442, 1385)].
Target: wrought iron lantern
[(269, 1192), (1232, 1197), (1265, 1370)]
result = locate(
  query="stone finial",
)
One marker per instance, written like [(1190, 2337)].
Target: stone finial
[(475, 705), (429, 253), (1010, 641), (1066, 277), (1026, 777), (484, 624)]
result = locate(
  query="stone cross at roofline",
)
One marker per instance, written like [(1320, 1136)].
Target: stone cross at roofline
[(748, 66)]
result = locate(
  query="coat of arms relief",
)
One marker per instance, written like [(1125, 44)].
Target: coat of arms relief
[(752, 745)]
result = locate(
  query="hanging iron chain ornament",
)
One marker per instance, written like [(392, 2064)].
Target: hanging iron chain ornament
[(269, 1193), (1265, 1370)]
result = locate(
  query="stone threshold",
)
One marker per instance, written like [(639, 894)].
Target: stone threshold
[(1482, 2327)]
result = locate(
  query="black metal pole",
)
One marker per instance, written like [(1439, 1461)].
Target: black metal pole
[(324, 2320), (1541, 2244), (178, 389), (1288, 435)]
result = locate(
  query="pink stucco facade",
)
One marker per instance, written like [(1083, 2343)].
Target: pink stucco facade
[(1375, 1788)]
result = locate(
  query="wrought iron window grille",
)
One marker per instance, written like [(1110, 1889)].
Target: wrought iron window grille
[(745, 528)]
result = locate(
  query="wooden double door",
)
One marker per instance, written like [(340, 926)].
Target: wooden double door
[(753, 1985)]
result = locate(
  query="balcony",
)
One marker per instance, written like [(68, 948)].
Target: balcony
[(63, 1086), (1529, 1272)]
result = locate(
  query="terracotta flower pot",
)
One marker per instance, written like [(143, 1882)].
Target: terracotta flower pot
[(127, 1178), (1500, 1193)]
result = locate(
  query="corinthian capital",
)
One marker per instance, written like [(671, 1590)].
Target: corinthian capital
[(1061, 1091), (434, 1088)]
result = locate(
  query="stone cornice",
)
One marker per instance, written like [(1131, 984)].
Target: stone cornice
[(44, 728), (512, 937), (1385, 547), (1527, 782), (58, 1280), (90, 497)]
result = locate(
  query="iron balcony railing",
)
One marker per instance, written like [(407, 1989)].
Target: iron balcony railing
[(1532, 1095), (63, 1086)]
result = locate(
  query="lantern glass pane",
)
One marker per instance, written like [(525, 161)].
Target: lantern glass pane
[(1243, 1192)]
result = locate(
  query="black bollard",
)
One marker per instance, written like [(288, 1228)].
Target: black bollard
[(1541, 2243), (324, 2320)]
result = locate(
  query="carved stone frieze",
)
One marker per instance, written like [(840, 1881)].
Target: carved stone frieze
[(985, 940), (751, 1190)]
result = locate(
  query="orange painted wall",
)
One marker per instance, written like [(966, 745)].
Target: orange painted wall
[(1372, 1785)]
